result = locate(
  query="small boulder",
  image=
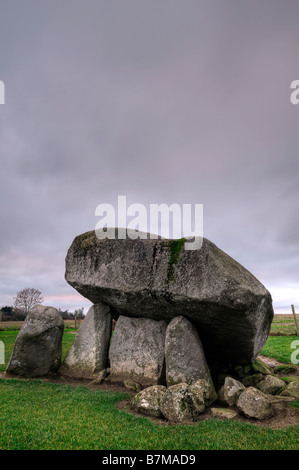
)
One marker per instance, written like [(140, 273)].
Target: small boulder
[(252, 380), (284, 369), (261, 367), (148, 400), (231, 390), (179, 405), (131, 385), (224, 413), (270, 384), (38, 346), (254, 404), (198, 399), (291, 390), (207, 387)]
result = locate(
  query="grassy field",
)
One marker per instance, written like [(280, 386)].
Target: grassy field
[(36, 414), (40, 415), (284, 325)]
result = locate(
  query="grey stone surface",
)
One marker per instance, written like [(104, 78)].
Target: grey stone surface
[(159, 279), (38, 346), (254, 404), (137, 351), (252, 380), (291, 390), (179, 404), (207, 387), (148, 400), (231, 390), (224, 413), (184, 355), (261, 367), (270, 384), (88, 354)]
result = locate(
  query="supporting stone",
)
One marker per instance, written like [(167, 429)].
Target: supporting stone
[(137, 351), (88, 355), (185, 358)]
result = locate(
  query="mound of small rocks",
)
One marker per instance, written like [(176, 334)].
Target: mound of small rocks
[(186, 402)]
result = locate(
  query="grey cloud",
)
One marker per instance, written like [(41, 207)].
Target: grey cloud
[(160, 101)]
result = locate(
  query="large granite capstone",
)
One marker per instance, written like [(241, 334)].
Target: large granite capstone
[(159, 279)]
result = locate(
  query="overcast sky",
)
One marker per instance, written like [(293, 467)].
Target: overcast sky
[(164, 101)]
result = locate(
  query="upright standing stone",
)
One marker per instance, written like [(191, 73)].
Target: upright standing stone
[(137, 350), (89, 352), (37, 349), (185, 358)]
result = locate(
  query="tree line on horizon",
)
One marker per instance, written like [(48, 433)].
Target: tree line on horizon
[(28, 298)]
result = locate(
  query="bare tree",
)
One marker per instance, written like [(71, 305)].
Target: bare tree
[(27, 298)]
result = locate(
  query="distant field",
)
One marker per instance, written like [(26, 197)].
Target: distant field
[(16, 325), (284, 324)]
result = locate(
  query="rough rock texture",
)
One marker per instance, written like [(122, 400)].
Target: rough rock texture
[(231, 390), (180, 405), (38, 346), (291, 390), (207, 387), (159, 279), (88, 354), (137, 351), (261, 367), (224, 413), (148, 400), (184, 355), (254, 404), (270, 384), (131, 385), (252, 380)]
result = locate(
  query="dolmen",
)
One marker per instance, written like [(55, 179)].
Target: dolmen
[(182, 319)]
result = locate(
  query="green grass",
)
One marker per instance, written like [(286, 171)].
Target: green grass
[(41, 415), (279, 347), (35, 414), (284, 325)]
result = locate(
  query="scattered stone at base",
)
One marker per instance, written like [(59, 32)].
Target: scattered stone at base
[(224, 413), (131, 385), (260, 366), (291, 390), (148, 401), (254, 404), (252, 380), (270, 384), (179, 404), (99, 378), (208, 389), (284, 369), (232, 389)]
